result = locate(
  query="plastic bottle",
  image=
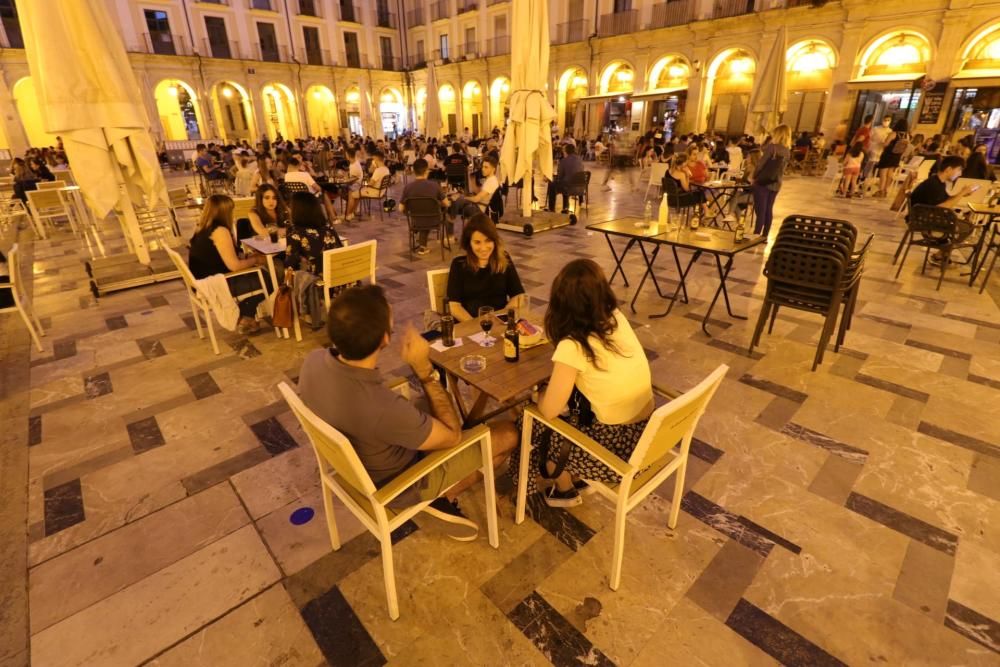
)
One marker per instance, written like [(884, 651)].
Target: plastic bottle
[(647, 213), (663, 216)]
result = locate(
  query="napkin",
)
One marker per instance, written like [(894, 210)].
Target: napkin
[(478, 338), (441, 347)]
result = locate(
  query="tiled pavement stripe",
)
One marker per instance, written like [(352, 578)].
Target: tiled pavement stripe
[(778, 412), (720, 586), (777, 639), (773, 388), (522, 575), (730, 347), (984, 478), (948, 352), (34, 430), (145, 434), (123, 363), (849, 452), (885, 320), (901, 522), (208, 367), (924, 580), (561, 524), (553, 635), (725, 522), (836, 478), (57, 405), (63, 507), (158, 408), (705, 451), (774, 537), (265, 412), (718, 324), (78, 470), (339, 632), (985, 381), (273, 436), (202, 385), (892, 387), (972, 320), (223, 470), (970, 623), (959, 439)]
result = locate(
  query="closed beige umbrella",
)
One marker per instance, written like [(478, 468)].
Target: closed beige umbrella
[(88, 94), (528, 131), (769, 99), (432, 106), (371, 120)]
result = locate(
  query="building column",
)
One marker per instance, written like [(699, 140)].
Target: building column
[(699, 95), (838, 103)]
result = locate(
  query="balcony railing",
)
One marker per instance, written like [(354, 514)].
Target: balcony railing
[(351, 13), (415, 17), (725, 8), (277, 54), (385, 19), (310, 8), (572, 31), (467, 6), (222, 49), (445, 55), (392, 63), (417, 61), (314, 56), (469, 51), (165, 44), (674, 12), (265, 5), (618, 23), (498, 46), (352, 59), (213, 2), (440, 9)]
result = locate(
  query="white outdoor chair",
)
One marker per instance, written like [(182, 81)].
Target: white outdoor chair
[(346, 266), (200, 306), (656, 172), (21, 302), (12, 209), (662, 451), (341, 473), (437, 288), (47, 206), (50, 185)]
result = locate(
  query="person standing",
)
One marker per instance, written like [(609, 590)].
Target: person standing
[(768, 175), (609, 149), (880, 137)]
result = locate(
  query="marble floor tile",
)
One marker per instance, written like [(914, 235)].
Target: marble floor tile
[(145, 618), (924, 580)]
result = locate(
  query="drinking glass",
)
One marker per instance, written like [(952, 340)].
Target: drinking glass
[(486, 323)]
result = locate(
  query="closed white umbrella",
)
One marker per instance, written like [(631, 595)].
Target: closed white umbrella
[(370, 121), (528, 131), (432, 106), (578, 130), (769, 99), (88, 94)]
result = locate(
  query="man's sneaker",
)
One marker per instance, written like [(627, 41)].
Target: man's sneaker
[(422, 250), (462, 528), (556, 498)]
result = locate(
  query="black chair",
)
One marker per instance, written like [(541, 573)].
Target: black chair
[(244, 230), (677, 199), (934, 228), (425, 214), (579, 189), (457, 175), (288, 188), (382, 192)]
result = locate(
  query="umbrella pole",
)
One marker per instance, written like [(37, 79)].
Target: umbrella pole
[(130, 224), (526, 193)]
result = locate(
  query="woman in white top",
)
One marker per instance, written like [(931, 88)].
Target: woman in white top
[(598, 354)]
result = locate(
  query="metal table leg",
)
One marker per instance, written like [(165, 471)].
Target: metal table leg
[(681, 286), (618, 258), (723, 275)]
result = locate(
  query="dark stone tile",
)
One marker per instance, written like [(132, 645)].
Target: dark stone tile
[(712, 322), (836, 479), (972, 320), (984, 478), (561, 524), (948, 352), (97, 385), (651, 355), (390, 283), (721, 585), (273, 436), (553, 635), (924, 580), (973, 625), (730, 347), (157, 300), (901, 522), (725, 522), (188, 320), (960, 439), (405, 529), (34, 430), (145, 434), (885, 320), (269, 410), (244, 348), (46, 322), (150, 348), (848, 452), (774, 388), (339, 632), (774, 537), (777, 639), (705, 451), (116, 322), (522, 575), (777, 413), (63, 507), (892, 387), (63, 349), (223, 470), (985, 381), (203, 385)]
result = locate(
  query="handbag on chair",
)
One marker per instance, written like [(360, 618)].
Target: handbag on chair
[(580, 415), (281, 313)]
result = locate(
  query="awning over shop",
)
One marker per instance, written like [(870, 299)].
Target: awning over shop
[(884, 82), (658, 94), (605, 97), (970, 80)]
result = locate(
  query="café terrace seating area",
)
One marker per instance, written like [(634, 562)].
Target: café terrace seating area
[(162, 504)]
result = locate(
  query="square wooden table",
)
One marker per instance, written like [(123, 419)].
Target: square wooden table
[(507, 383)]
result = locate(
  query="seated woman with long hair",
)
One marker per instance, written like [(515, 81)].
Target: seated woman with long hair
[(678, 174), (214, 251), (597, 353), (309, 235), (268, 210), (484, 275)]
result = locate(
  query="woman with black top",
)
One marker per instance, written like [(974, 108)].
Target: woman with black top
[(268, 210), (309, 236), (213, 251), (891, 155), (485, 275), (678, 175), (766, 184)]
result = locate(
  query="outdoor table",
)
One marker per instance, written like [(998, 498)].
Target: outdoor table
[(269, 249), (990, 227), (720, 194), (718, 243), (631, 229), (507, 383)]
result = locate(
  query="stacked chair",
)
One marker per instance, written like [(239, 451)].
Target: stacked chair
[(813, 266)]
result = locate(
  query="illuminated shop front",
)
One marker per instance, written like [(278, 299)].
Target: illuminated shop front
[(892, 68), (975, 97), (730, 80), (666, 95), (808, 78)]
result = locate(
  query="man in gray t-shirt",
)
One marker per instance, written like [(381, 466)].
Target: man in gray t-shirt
[(388, 432), (421, 187)]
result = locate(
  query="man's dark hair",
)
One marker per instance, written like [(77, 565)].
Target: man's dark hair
[(293, 161), (951, 161), (419, 167), (377, 154), (569, 149), (358, 321), (492, 161), (869, 118), (457, 147), (200, 147)]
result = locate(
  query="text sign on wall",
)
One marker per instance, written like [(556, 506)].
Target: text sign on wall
[(933, 103)]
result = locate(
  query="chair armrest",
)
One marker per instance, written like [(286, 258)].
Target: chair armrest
[(434, 459), (582, 440), (666, 392), (233, 274)]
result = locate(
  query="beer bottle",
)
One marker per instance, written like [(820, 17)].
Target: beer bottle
[(447, 326), (741, 228), (511, 339)]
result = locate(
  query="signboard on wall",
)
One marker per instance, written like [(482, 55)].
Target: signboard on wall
[(933, 103)]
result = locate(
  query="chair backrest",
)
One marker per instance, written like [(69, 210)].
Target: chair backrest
[(44, 199), (383, 186), (343, 266), (437, 288), (424, 213), (675, 422), (178, 196), (656, 172), (819, 270), (242, 206), (50, 185), (817, 226), (289, 188), (924, 170), (334, 451), (495, 207), (915, 162), (182, 268), (935, 223), (14, 267), (578, 183)]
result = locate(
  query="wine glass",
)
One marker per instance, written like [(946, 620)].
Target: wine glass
[(486, 323)]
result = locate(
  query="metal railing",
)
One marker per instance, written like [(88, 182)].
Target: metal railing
[(310, 8), (618, 23), (385, 19), (164, 44), (417, 61), (309, 56), (415, 17), (277, 54), (353, 59), (726, 8), (469, 51), (572, 31), (228, 49), (440, 9), (215, 2), (467, 6), (445, 55), (349, 12), (676, 12), (498, 46), (392, 63)]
